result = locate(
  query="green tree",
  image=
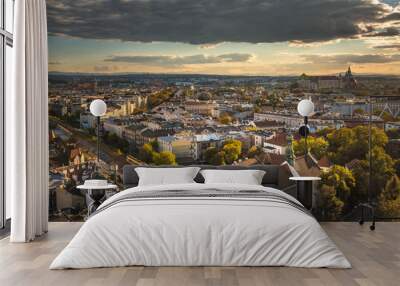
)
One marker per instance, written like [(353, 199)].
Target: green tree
[(316, 146), (164, 158), (389, 199), (341, 179)]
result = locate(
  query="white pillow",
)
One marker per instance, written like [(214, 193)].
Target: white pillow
[(247, 177), (166, 176)]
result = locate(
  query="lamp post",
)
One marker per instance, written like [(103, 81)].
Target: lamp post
[(305, 109), (98, 108)]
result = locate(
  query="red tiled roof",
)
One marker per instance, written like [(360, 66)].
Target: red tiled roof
[(279, 139), (324, 162)]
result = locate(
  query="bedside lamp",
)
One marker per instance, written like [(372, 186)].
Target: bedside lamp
[(305, 108), (98, 108)]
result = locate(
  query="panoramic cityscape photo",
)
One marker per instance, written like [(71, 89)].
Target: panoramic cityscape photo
[(186, 84)]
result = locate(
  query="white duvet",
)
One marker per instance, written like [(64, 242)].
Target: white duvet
[(202, 232)]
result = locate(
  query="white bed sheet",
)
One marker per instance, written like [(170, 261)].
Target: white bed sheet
[(200, 232)]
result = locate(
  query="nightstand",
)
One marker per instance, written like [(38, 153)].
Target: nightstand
[(304, 193), (95, 195)]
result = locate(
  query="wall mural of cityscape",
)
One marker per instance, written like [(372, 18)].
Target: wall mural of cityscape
[(218, 82)]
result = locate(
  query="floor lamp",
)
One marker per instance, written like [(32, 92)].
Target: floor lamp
[(98, 108), (305, 109)]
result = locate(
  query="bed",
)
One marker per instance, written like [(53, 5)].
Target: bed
[(197, 224)]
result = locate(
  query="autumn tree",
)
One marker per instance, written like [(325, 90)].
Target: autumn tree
[(329, 206), (274, 99), (341, 179), (382, 169), (146, 153), (230, 152), (225, 119), (254, 151), (214, 157), (232, 149), (346, 144), (389, 199), (164, 158), (316, 146)]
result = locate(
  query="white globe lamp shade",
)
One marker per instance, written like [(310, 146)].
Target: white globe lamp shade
[(305, 107), (98, 107)]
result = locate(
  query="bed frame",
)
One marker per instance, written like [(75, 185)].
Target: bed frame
[(276, 176)]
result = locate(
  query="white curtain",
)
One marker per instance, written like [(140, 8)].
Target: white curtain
[(27, 124)]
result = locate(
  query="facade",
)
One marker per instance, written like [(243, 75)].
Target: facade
[(182, 147), (201, 107), (87, 121)]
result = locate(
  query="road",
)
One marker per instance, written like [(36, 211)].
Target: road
[(108, 154)]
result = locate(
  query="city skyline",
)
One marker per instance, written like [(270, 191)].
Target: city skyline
[(193, 37)]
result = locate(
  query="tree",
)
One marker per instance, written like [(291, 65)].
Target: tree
[(397, 167), (146, 153), (214, 157), (324, 132), (225, 119), (382, 169), (231, 153), (317, 146), (346, 144), (254, 151), (154, 144), (341, 179), (164, 158), (232, 149), (329, 206), (156, 99), (360, 191), (358, 111), (389, 199), (393, 133), (274, 99)]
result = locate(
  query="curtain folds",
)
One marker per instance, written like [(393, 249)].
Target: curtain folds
[(27, 124)]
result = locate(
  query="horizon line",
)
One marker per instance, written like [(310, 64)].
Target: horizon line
[(212, 74)]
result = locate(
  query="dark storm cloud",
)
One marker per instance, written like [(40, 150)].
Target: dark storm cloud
[(179, 61), (215, 21), (345, 59), (388, 47), (388, 32)]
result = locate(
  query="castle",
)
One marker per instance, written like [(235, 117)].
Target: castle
[(328, 82)]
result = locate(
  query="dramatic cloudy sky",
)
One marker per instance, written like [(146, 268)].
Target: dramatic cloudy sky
[(263, 37)]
